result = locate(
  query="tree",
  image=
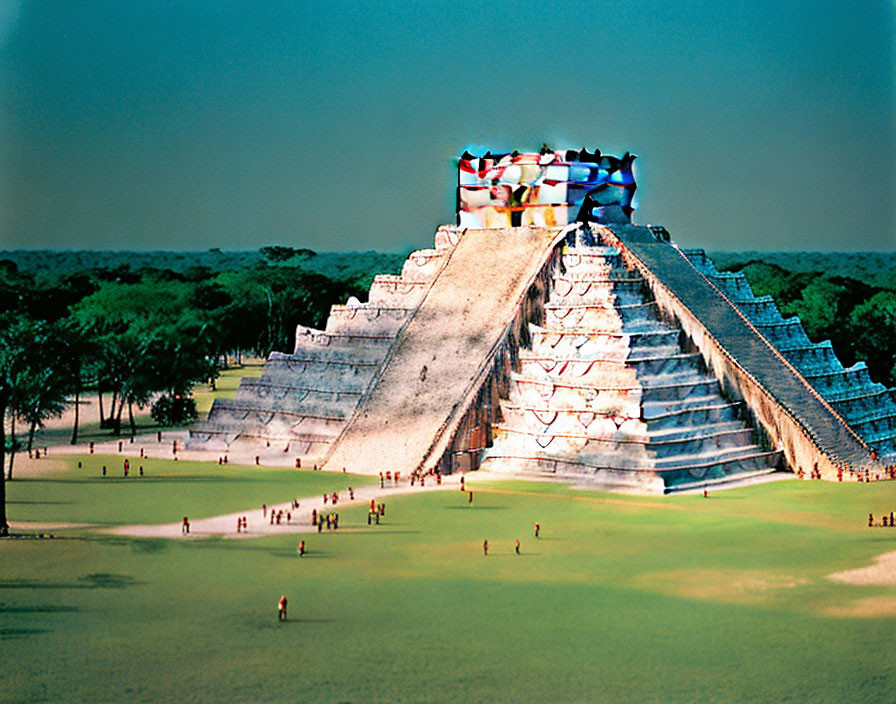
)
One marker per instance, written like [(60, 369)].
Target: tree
[(16, 334), (872, 325), (150, 339)]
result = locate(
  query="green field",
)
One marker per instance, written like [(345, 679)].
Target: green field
[(623, 599)]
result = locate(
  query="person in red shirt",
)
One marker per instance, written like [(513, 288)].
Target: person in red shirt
[(281, 608)]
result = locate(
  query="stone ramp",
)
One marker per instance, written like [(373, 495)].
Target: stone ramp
[(442, 355), (828, 431)]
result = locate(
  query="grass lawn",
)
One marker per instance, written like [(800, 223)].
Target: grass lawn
[(623, 599)]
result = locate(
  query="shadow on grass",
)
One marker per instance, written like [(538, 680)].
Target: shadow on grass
[(294, 555), (99, 580), (37, 503), (12, 633), (39, 609)]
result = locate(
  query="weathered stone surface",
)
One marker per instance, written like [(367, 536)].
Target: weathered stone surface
[(444, 352)]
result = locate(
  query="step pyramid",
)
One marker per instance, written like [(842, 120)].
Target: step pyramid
[(608, 394), (545, 335)]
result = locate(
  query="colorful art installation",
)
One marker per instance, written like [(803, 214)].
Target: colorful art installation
[(544, 189)]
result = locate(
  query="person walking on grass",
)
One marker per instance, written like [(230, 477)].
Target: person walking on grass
[(281, 608), (516, 546), (485, 547)]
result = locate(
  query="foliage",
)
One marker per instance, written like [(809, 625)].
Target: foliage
[(174, 410), (873, 327)]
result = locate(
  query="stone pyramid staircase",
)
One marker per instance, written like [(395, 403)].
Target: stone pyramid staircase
[(302, 401), (608, 395), (868, 407)]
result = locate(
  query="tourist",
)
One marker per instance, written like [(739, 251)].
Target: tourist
[(264, 510), (314, 516), (302, 549), (351, 494), (537, 530), (185, 526), (516, 546), (281, 608), (485, 547), (272, 516), (239, 525), (141, 470), (381, 480), (104, 470), (470, 496), (870, 520), (320, 523)]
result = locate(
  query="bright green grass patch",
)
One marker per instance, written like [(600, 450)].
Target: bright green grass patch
[(225, 386), (168, 490), (624, 599)]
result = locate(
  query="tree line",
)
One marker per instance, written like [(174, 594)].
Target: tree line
[(141, 336)]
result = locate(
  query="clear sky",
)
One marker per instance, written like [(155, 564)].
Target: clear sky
[(154, 124)]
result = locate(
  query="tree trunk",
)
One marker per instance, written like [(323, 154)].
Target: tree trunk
[(116, 431), (131, 418), (4, 525), (12, 444), (77, 410), (99, 393), (31, 435)]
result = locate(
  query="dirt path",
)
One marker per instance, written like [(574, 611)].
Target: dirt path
[(259, 520)]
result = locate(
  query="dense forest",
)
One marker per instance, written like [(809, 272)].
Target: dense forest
[(141, 328)]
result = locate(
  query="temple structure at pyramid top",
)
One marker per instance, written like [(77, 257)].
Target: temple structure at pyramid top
[(546, 335)]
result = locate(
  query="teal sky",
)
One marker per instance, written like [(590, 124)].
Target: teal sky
[(133, 124)]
